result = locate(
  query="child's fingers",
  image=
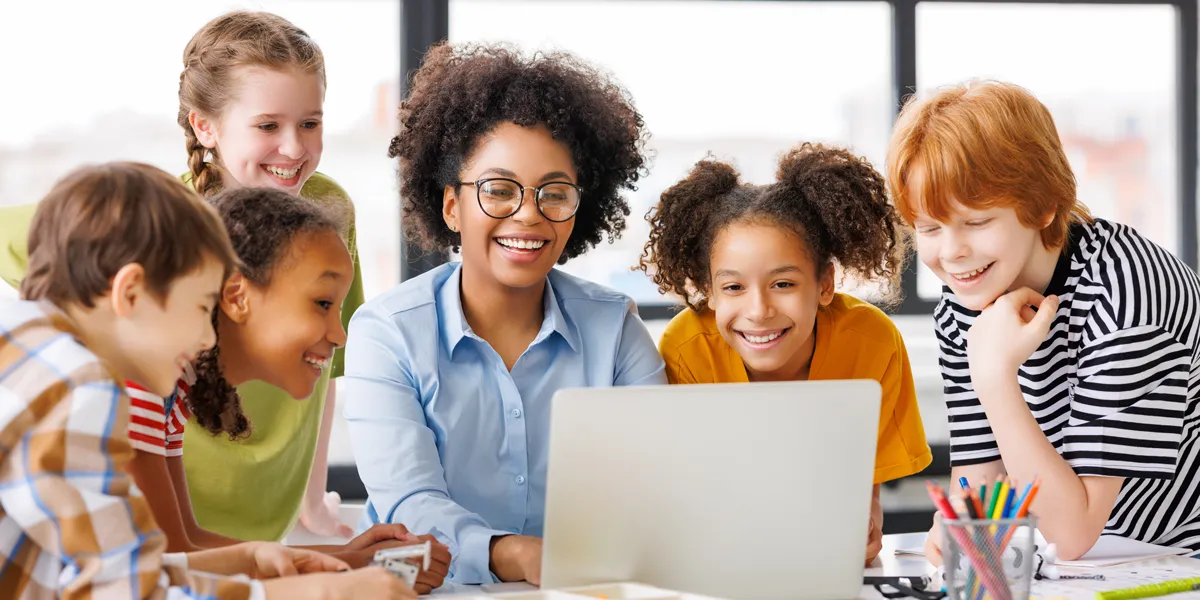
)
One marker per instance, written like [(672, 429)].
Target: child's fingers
[(428, 581), (315, 562), (1024, 297), (932, 552), (439, 555), (384, 532), (1027, 313), (283, 565), (1045, 313), (389, 531)]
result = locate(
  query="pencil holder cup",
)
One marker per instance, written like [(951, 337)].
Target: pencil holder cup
[(988, 559)]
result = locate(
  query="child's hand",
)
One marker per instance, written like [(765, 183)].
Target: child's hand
[(439, 562), (1006, 333), (373, 582), (933, 542), (427, 580), (874, 528), (272, 560), (324, 519), (874, 542), (359, 551), (381, 532)]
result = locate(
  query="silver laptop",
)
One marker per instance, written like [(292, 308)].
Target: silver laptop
[(758, 490)]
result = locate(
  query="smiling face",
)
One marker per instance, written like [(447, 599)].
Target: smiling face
[(289, 328), (765, 293), (159, 337), (981, 254), (270, 133), (517, 251)]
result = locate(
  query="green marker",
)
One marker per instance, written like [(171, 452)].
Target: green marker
[(1152, 590)]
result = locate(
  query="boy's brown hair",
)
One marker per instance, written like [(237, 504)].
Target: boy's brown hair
[(984, 144), (100, 218)]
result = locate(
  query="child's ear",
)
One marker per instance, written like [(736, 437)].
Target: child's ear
[(1048, 219), (235, 298), (204, 128), (450, 208), (128, 289), (826, 283)]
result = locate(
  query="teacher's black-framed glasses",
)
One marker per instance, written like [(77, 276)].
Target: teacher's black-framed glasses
[(501, 198)]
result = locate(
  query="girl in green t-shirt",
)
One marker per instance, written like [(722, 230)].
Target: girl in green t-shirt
[(251, 95), (250, 106), (277, 321)]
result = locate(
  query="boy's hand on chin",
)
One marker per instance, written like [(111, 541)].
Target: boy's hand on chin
[(1007, 333)]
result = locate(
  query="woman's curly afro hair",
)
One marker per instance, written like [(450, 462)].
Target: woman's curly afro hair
[(462, 92)]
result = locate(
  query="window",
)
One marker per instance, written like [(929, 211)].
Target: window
[(747, 81), (1107, 74), (105, 87)]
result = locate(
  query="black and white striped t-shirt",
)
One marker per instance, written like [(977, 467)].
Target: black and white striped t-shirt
[(1114, 386)]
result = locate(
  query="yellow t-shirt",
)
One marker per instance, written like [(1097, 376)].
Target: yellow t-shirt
[(855, 340)]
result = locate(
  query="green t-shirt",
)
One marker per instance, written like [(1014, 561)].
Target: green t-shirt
[(14, 236), (250, 489)]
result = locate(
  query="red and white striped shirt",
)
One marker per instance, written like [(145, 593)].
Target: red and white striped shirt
[(156, 423)]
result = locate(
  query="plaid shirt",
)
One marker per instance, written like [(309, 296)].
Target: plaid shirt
[(72, 524)]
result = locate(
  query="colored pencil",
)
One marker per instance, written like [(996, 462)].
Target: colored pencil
[(986, 565)]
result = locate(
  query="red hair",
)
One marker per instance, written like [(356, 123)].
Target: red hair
[(985, 144)]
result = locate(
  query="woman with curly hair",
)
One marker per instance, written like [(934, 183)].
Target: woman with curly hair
[(519, 162), (756, 265)]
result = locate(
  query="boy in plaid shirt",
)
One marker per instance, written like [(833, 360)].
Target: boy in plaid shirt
[(125, 264)]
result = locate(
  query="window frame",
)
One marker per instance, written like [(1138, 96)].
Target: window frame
[(426, 22)]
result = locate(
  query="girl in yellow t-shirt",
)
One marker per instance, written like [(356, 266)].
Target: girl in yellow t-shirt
[(757, 266)]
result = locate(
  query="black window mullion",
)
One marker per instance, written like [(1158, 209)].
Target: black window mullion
[(423, 23)]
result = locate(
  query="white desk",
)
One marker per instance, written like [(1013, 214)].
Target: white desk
[(888, 564)]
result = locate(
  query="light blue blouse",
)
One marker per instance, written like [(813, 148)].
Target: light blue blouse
[(450, 442)]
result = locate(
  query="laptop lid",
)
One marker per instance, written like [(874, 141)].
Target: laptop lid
[(758, 490)]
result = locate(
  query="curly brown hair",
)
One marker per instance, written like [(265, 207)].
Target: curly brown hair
[(462, 92), (836, 202), (263, 225)]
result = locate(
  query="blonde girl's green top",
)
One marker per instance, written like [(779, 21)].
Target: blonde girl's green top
[(252, 489), (14, 235)]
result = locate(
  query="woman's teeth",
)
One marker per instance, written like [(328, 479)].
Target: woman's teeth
[(523, 244), (319, 363)]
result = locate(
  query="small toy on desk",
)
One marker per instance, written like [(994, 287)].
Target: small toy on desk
[(396, 561), (1048, 569)]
